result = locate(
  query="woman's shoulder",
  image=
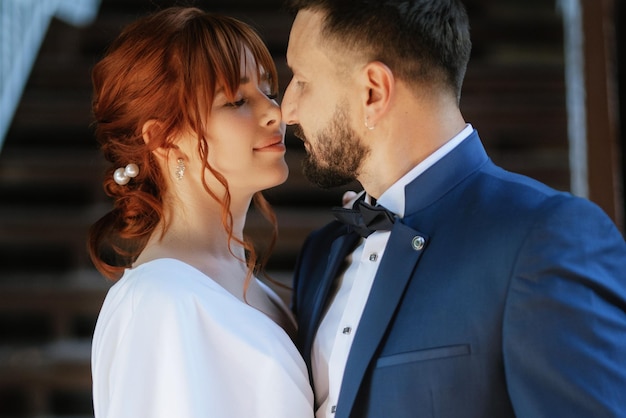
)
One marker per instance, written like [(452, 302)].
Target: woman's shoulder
[(163, 283), (173, 292)]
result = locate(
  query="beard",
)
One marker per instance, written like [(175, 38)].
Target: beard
[(336, 158)]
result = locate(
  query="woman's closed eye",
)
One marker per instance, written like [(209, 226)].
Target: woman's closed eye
[(237, 103), (244, 100)]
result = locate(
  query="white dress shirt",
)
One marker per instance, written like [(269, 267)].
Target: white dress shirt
[(171, 342), (335, 334)]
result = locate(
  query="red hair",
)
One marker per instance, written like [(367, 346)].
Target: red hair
[(164, 67)]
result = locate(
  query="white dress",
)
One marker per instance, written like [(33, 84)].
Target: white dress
[(172, 343)]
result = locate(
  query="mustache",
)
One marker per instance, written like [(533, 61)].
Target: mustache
[(298, 132)]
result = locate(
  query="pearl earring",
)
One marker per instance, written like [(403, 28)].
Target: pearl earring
[(123, 174), (367, 124), (180, 169)]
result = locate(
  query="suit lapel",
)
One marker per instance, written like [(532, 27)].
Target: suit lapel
[(401, 256), (400, 260), (340, 249)]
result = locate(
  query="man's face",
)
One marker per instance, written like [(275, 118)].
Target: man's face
[(316, 100)]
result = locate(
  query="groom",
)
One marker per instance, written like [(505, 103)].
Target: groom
[(482, 293)]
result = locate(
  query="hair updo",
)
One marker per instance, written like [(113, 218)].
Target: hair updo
[(165, 67)]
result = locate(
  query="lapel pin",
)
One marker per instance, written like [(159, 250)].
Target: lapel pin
[(418, 243)]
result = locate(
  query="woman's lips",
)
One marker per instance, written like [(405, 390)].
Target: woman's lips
[(274, 145)]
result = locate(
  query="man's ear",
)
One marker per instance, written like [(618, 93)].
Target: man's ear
[(379, 87)]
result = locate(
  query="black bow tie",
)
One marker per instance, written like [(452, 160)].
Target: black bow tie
[(365, 218)]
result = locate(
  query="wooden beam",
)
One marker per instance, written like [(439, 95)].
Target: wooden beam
[(603, 149)]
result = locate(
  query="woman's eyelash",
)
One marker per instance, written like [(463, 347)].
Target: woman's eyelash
[(238, 103), (243, 100)]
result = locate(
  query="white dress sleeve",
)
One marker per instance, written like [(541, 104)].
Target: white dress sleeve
[(184, 347)]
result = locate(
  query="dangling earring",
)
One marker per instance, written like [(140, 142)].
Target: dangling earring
[(367, 124), (180, 169)]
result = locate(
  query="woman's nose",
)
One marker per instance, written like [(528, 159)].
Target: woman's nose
[(273, 114)]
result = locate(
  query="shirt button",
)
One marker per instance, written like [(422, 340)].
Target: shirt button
[(347, 330), (373, 257), (333, 409)]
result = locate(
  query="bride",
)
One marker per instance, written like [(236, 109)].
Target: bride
[(185, 111)]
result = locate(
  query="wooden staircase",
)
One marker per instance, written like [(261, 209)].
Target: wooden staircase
[(51, 170)]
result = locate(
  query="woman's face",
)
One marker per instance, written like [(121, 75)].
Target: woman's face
[(246, 135)]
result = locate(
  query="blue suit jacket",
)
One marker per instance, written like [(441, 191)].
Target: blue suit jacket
[(515, 307)]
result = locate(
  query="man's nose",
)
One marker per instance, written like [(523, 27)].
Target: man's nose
[(288, 107)]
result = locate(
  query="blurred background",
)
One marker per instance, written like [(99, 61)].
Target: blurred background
[(542, 89)]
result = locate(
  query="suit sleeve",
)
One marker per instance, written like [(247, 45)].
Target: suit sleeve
[(564, 331)]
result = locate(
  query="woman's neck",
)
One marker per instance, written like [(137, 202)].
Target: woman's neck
[(192, 230)]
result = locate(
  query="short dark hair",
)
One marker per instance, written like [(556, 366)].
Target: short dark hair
[(424, 41)]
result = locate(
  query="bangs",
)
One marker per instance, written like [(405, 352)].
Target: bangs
[(222, 42)]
